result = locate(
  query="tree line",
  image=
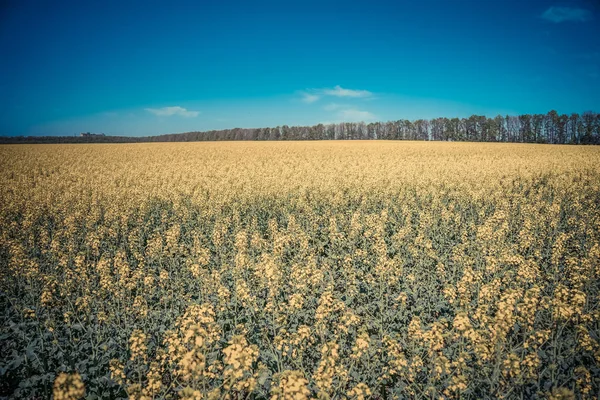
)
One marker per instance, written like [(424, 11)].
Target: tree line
[(552, 128)]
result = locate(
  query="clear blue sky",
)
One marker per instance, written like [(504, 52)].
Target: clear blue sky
[(151, 67)]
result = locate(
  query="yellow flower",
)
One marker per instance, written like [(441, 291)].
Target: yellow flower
[(360, 392), (137, 345), (117, 371), (239, 358), (28, 313), (46, 297), (561, 394), (361, 345), (292, 385), (68, 387)]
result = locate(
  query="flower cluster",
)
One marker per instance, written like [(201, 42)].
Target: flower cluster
[(68, 387)]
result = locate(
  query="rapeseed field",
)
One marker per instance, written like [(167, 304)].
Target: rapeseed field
[(296, 270)]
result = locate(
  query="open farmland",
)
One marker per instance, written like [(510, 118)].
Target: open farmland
[(291, 270)]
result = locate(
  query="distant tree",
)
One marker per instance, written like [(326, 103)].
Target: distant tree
[(536, 128), (512, 128), (452, 126), (551, 126), (596, 131), (525, 128), (588, 120), (437, 129)]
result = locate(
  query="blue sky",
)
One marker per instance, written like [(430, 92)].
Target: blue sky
[(152, 67)]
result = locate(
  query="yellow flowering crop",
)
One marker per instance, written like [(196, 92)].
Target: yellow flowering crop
[(297, 270)]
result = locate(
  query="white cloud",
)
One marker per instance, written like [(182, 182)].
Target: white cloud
[(354, 115), (170, 111), (341, 92), (561, 14), (309, 98), (311, 95)]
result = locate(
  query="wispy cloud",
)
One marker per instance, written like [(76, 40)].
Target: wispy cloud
[(355, 115), (566, 14), (311, 95), (170, 111), (341, 92), (309, 98)]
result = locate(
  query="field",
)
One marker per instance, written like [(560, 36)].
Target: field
[(293, 270)]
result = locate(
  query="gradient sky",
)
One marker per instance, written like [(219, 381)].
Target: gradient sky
[(152, 67)]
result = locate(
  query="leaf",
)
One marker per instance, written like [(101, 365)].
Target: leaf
[(16, 363), (262, 378)]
